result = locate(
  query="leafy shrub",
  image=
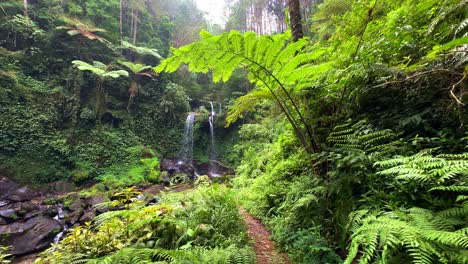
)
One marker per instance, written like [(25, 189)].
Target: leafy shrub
[(202, 181)]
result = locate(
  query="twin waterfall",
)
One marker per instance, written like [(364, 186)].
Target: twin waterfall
[(186, 152)]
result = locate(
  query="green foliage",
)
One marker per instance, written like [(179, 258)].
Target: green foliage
[(304, 245), (278, 69), (436, 234), (4, 257), (198, 226), (78, 27), (202, 181), (141, 50), (100, 69), (135, 68), (19, 32)]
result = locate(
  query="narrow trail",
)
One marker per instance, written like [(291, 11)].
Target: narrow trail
[(265, 248)]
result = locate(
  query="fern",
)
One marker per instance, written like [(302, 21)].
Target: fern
[(274, 64), (427, 237), (426, 169), (141, 50), (132, 255), (362, 138)]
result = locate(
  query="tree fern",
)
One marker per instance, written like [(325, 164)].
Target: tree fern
[(141, 50), (102, 72), (136, 71), (274, 65)]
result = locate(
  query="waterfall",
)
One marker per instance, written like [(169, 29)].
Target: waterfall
[(186, 153), (213, 166), (212, 138)]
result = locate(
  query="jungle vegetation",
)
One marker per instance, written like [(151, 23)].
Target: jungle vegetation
[(344, 121)]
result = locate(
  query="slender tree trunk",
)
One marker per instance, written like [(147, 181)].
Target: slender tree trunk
[(25, 4), (121, 25), (131, 23), (135, 25), (295, 19)]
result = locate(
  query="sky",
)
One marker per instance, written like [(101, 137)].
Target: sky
[(214, 10)]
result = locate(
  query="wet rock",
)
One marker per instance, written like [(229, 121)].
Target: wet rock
[(29, 206), (3, 203), (95, 202), (96, 199), (74, 216), (22, 194), (214, 168), (175, 167), (7, 186), (8, 213), (88, 216), (35, 234)]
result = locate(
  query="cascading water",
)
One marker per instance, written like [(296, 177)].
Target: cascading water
[(186, 153), (213, 167)]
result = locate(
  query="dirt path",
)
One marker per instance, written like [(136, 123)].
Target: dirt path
[(265, 249)]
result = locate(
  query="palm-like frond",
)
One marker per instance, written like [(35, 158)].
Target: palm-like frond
[(99, 69), (135, 68), (141, 50), (78, 27)]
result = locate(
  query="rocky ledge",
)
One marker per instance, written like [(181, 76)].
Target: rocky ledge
[(32, 219)]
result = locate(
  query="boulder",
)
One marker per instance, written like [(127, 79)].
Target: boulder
[(9, 213), (176, 166), (88, 216), (33, 235), (29, 206), (7, 186), (94, 200), (75, 205), (22, 194), (74, 216)]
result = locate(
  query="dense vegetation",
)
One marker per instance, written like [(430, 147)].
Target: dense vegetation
[(349, 143)]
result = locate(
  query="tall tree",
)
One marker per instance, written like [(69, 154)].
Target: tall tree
[(25, 4), (295, 19), (121, 23)]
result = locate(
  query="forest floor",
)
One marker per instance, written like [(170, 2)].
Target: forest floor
[(265, 248)]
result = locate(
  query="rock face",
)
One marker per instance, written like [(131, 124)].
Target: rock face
[(31, 219), (26, 237), (175, 167), (220, 169), (12, 191)]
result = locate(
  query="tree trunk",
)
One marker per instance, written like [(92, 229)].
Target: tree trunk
[(135, 25), (121, 25), (25, 4), (131, 23), (295, 19)]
